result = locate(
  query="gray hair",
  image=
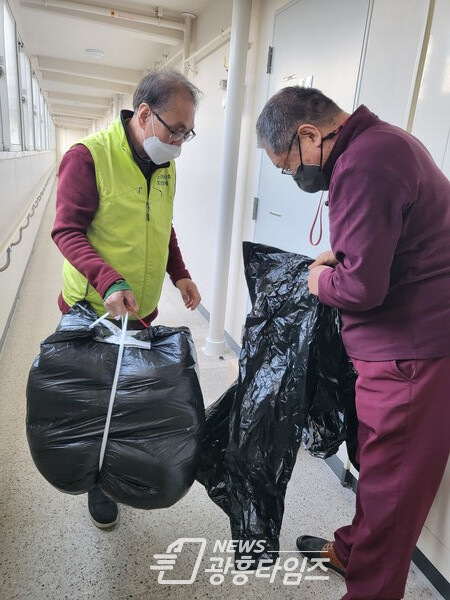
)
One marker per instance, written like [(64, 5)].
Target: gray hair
[(157, 88), (289, 108)]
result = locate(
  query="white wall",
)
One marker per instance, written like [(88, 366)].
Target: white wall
[(215, 18), (432, 125), (65, 138), (434, 540), (198, 174), (432, 116), (393, 49), (126, 101), (22, 176)]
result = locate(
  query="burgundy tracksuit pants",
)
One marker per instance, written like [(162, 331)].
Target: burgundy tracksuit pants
[(403, 410)]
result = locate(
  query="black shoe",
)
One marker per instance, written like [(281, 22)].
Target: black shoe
[(102, 510), (316, 547)]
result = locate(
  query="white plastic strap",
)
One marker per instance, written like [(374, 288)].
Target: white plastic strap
[(99, 320), (116, 335), (114, 387)]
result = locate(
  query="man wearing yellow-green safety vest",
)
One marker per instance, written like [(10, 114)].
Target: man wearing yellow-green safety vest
[(114, 215)]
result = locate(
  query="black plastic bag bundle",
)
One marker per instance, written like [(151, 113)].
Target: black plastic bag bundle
[(295, 382), (153, 445)]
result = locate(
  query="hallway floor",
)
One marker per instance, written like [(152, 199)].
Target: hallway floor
[(50, 550)]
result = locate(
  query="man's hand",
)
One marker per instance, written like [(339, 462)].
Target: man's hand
[(189, 293), (115, 303), (326, 258), (313, 279)]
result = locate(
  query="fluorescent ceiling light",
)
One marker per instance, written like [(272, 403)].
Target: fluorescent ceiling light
[(93, 53)]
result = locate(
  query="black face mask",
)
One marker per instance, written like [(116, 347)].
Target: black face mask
[(311, 178)]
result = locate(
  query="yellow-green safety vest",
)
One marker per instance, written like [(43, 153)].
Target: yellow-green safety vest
[(130, 230)]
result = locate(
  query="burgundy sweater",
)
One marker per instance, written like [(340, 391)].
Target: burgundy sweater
[(76, 204), (389, 209)]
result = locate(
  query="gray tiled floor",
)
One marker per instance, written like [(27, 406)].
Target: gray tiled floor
[(49, 548)]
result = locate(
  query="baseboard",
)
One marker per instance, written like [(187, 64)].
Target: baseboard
[(13, 307), (431, 573), (434, 576), (344, 475), (231, 343)]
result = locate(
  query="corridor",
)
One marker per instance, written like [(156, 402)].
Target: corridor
[(49, 548)]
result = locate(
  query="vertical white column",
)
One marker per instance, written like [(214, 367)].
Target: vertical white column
[(117, 105), (188, 18), (240, 26)]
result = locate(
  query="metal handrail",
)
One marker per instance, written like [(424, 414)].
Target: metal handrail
[(20, 236), (8, 259), (22, 227)]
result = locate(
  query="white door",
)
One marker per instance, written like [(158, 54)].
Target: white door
[(315, 42)]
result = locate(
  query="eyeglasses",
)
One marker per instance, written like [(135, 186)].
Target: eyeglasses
[(288, 171), (176, 136)]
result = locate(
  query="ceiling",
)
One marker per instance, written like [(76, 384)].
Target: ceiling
[(131, 36)]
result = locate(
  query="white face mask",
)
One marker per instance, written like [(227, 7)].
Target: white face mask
[(158, 151)]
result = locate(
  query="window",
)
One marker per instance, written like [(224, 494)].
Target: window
[(42, 120), (12, 80), (51, 129), (36, 114), (25, 120), (48, 120), (27, 99), (1, 126), (3, 93)]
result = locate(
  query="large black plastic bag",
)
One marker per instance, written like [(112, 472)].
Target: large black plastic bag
[(330, 391), (157, 421), (295, 382)]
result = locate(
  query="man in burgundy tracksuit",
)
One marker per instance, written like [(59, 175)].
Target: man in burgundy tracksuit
[(389, 273)]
